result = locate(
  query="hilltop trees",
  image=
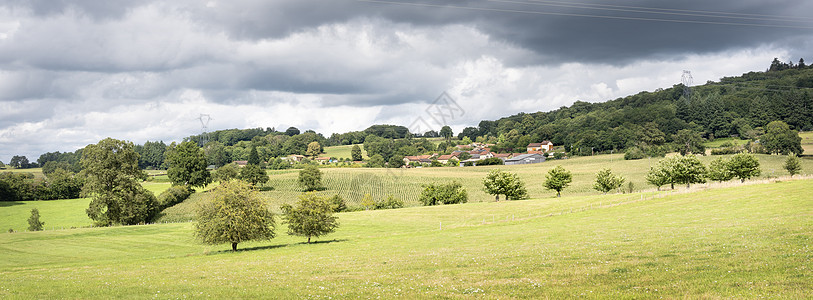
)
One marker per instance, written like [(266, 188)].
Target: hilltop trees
[(187, 165), (558, 179), (235, 214), (110, 169), (311, 217), (499, 183)]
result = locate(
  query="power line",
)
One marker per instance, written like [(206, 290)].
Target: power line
[(650, 10), (585, 15), (782, 17)]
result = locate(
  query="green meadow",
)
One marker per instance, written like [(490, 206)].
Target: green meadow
[(748, 241)]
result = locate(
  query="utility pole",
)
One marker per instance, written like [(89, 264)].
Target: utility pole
[(204, 124), (687, 79)]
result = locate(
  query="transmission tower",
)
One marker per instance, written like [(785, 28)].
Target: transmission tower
[(686, 78), (204, 125)]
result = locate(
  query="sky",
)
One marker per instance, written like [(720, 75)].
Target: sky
[(75, 72)]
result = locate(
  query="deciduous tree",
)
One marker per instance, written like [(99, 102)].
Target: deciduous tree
[(310, 178), (499, 183), (558, 179), (607, 181), (311, 217), (235, 214), (355, 153), (187, 165), (34, 223), (779, 138), (254, 175), (744, 166), (110, 169), (792, 165)]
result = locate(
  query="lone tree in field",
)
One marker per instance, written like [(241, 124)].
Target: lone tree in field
[(236, 214), (792, 165), (110, 169), (311, 217), (355, 153), (504, 183), (744, 166), (254, 175), (310, 178), (187, 165), (34, 223), (607, 181), (558, 179)]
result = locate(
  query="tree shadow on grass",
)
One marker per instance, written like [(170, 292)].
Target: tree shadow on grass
[(10, 203), (268, 247)]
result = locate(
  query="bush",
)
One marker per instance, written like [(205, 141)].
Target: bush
[(338, 203), (448, 193), (557, 155), (389, 203), (634, 153), (173, 195), (724, 151)]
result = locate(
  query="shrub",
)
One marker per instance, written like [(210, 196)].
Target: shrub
[(724, 151), (338, 203), (634, 153), (367, 202), (448, 193), (34, 223), (389, 203), (557, 155), (174, 195), (490, 161)]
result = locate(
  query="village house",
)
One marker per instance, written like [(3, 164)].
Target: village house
[(544, 146)]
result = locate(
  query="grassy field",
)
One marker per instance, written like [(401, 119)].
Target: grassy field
[(342, 151), (406, 184), (742, 242), (807, 142)]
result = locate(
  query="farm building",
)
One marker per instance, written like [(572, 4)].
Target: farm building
[(523, 159), (544, 146)]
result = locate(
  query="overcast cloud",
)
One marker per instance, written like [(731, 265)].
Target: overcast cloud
[(74, 72)]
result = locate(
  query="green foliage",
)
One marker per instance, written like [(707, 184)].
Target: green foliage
[(34, 223), (367, 202), (792, 165), (310, 178), (173, 195), (558, 179), (110, 169), (634, 153), (375, 161), (226, 172), (151, 155), (499, 183), (689, 141), (216, 154), (253, 157), (448, 193), (435, 163), (187, 165), (490, 161), (235, 214), (607, 181), (312, 216), (63, 184), (313, 149), (446, 133), (744, 166), (678, 169), (389, 203), (51, 166), (254, 175), (396, 161), (338, 203), (464, 156), (355, 153), (779, 138), (719, 171)]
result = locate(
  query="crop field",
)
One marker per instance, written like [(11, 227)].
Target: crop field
[(749, 241)]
